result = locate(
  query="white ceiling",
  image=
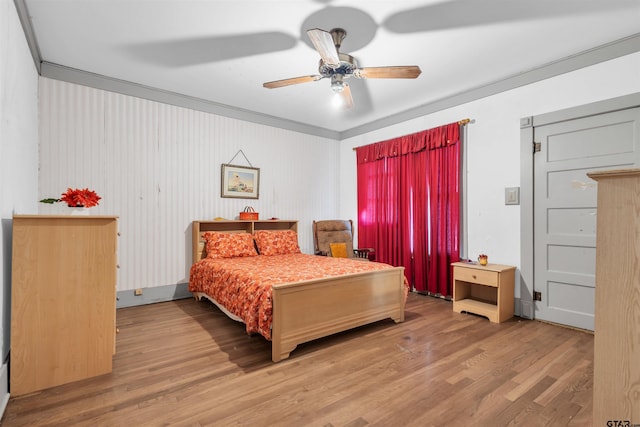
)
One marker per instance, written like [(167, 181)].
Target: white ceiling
[(215, 54)]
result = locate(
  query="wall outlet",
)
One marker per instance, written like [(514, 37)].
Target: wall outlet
[(137, 292)]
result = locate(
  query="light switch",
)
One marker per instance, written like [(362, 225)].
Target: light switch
[(512, 196)]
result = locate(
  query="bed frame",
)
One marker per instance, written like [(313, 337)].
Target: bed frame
[(312, 309)]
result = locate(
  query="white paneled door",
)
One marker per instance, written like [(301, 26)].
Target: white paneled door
[(565, 208)]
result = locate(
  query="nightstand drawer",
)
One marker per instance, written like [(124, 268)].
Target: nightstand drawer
[(474, 275)]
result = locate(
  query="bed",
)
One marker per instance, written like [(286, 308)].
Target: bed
[(291, 298)]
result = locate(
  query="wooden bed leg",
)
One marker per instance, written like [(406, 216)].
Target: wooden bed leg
[(277, 354), (400, 317)]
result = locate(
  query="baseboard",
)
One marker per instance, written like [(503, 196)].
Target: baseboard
[(4, 387), (180, 291), (152, 295), (523, 309)]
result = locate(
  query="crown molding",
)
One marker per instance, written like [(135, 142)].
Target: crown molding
[(97, 81), (32, 42), (598, 54), (606, 52)]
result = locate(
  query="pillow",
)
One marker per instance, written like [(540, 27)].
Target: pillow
[(277, 242), (228, 245), (338, 250)]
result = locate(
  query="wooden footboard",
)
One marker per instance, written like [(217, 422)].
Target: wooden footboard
[(304, 311)]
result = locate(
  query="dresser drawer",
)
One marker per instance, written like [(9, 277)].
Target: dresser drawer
[(474, 275)]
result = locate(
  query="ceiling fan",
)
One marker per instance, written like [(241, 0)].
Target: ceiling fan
[(339, 66)]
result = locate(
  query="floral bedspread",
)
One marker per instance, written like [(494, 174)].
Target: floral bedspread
[(243, 285)]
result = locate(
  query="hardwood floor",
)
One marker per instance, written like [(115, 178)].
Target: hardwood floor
[(185, 363)]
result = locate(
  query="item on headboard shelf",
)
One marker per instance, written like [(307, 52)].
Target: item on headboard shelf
[(249, 213)]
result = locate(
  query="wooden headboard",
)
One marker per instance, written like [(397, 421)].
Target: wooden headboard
[(233, 226)]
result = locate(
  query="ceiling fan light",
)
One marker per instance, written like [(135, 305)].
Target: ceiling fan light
[(337, 87), (337, 101), (337, 83)]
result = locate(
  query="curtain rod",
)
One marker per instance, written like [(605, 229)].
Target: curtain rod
[(462, 122)]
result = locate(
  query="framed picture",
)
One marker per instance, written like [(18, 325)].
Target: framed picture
[(240, 182)]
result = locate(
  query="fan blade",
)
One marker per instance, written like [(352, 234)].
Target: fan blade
[(345, 97), (291, 81), (400, 72), (323, 42), (361, 88)]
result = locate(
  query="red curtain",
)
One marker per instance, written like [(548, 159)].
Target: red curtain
[(409, 204)]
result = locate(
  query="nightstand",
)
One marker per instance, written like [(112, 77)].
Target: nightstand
[(484, 290)]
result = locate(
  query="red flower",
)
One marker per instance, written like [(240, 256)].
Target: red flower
[(80, 198)]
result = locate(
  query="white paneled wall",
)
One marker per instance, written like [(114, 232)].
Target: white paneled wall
[(157, 167)]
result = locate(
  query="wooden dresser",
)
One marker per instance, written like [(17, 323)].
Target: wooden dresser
[(484, 290), (63, 299), (616, 375)]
